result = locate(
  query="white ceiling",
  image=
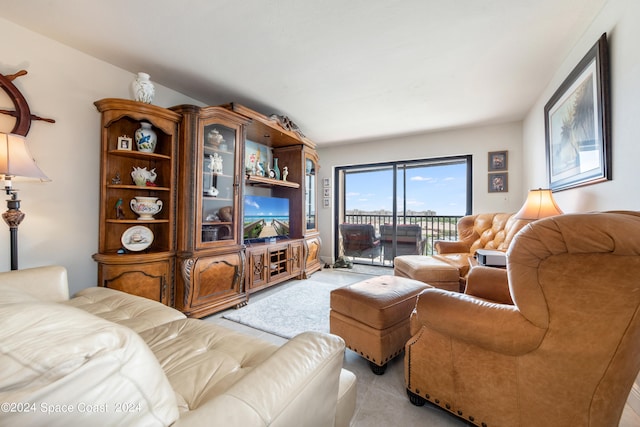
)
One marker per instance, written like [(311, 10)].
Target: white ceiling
[(343, 70)]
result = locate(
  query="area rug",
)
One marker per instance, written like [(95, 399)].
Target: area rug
[(303, 306)]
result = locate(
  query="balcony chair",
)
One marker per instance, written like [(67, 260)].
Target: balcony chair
[(409, 240), (553, 340), (360, 240)]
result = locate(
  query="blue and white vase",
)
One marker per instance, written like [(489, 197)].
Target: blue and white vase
[(146, 138)]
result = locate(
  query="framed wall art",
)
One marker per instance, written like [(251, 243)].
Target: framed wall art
[(498, 182), (577, 128), (498, 161)]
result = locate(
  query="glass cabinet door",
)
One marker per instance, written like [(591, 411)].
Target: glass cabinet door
[(218, 174), (310, 194)]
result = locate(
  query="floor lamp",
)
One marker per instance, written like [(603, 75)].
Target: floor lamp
[(15, 161)]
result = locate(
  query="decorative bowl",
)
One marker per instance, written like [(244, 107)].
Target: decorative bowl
[(145, 207)]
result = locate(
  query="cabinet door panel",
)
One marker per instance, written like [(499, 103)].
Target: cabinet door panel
[(312, 263), (216, 278), (257, 270), (146, 280), (296, 258)]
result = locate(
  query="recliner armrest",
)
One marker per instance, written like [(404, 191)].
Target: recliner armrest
[(450, 247), (48, 283), (489, 283), (495, 327)]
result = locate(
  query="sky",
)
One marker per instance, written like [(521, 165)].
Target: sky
[(439, 188), (265, 206)]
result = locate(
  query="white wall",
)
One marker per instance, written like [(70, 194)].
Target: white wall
[(619, 19), (61, 223), (478, 142)]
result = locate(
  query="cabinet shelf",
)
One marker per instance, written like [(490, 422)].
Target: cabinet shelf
[(211, 198), (208, 149), (136, 221), (261, 181), (139, 155), (217, 223), (136, 187)]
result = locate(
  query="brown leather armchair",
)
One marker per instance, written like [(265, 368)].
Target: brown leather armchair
[(553, 340), (480, 231)]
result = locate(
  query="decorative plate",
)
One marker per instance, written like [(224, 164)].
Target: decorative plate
[(137, 238)]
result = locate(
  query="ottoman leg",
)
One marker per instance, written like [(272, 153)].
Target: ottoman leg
[(415, 399), (377, 369)]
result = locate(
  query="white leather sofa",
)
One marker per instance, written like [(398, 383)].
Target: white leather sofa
[(106, 358)]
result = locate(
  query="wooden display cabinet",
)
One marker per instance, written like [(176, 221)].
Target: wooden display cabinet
[(302, 162), (210, 251), (299, 155), (146, 267)]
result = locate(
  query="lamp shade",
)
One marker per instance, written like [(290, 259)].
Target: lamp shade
[(16, 160), (539, 204)]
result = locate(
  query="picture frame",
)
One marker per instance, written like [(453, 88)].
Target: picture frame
[(125, 143), (326, 202), (498, 160), (577, 124), (255, 154), (498, 182), (327, 192), (326, 182)]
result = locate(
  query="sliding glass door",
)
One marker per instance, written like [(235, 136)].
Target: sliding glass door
[(399, 208)]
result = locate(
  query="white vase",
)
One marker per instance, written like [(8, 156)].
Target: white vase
[(143, 89), (146, 138)]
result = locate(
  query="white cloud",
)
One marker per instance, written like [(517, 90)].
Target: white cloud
[(422, 178)]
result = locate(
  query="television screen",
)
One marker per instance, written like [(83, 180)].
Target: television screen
[(265, 217)]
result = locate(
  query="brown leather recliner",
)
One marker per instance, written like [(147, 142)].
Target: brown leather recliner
[(481, 231), (560, 347)]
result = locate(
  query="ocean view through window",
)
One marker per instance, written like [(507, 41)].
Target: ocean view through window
[(430, 193)]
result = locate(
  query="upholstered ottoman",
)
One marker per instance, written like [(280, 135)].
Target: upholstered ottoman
[(429, 270), (372, 317)]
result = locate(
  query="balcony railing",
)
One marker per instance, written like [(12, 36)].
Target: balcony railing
[(434, 227)]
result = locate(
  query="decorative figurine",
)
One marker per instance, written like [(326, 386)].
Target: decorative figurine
[(116, 179), (285, 172), (213, 191), (119, 211), (216, 164)]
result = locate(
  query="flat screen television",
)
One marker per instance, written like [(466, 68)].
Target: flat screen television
[(265, 217)]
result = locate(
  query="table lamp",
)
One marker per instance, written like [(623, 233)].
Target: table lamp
[(539, 204), (16, 161)]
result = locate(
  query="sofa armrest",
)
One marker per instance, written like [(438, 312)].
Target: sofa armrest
[(450, 247), (500, 328), (47, 283), (296, 385), (489, 283)]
